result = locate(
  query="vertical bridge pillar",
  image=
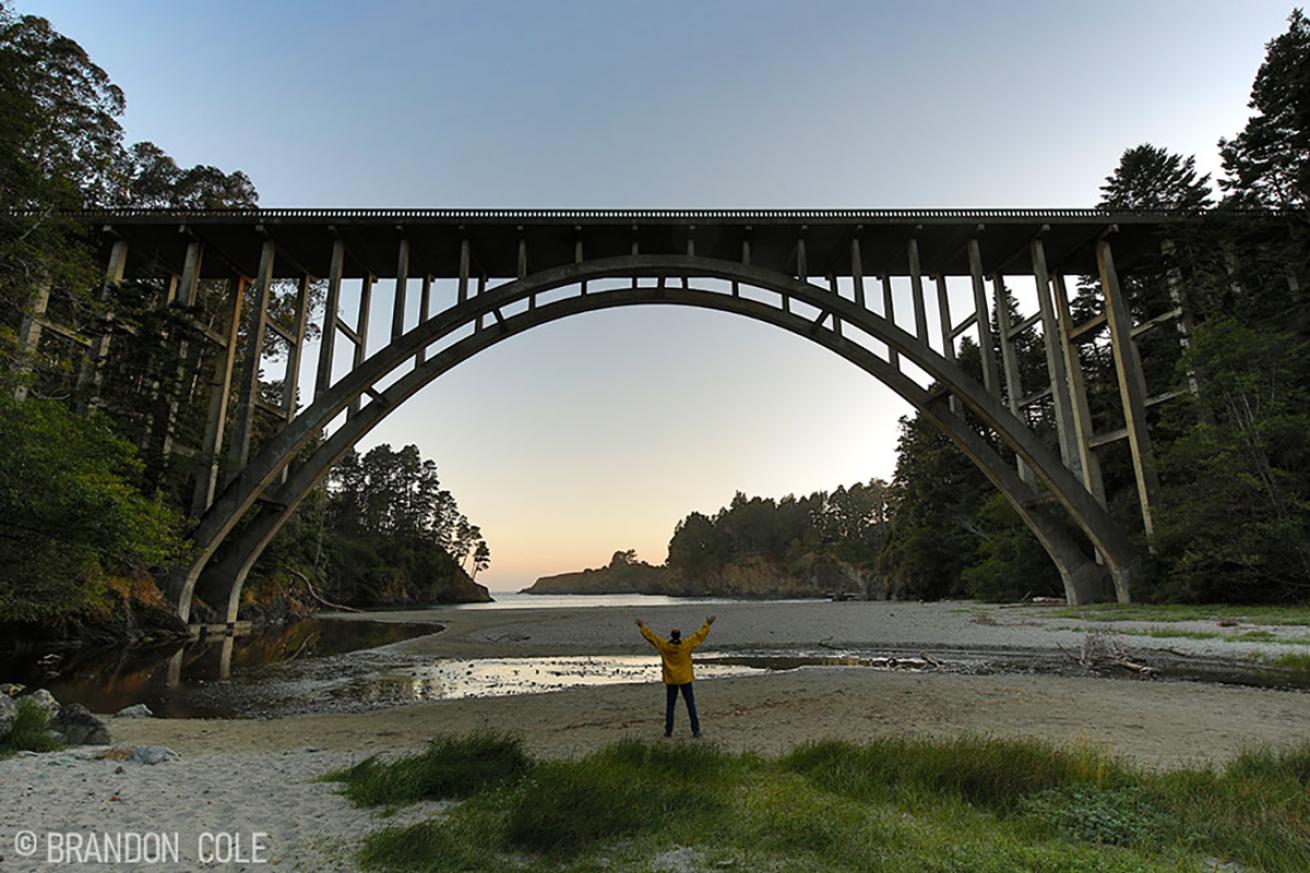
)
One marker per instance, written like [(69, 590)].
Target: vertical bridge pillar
[(88, 380), (248, 398), (1132, 384), (29, 336), (1055, 361), (220, 390)]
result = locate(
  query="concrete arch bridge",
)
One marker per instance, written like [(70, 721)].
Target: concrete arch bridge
[(834, 277)]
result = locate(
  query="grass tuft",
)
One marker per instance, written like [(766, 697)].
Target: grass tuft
[(30, 731), (625, 789), (449, 768), (994, 774)]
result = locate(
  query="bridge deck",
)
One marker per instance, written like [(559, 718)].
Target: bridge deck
[(304, 238)]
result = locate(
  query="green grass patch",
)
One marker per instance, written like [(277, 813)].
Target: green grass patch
[(970, 805), (1169, 633), (626, 789), (30, 731), (449, 768), (1297, 663), (1271, 615), (995, 774)]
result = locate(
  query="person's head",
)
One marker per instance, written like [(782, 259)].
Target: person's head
[(675, 635)]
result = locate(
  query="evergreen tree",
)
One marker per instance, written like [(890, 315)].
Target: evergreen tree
[(1149, 177), (1268, 163)]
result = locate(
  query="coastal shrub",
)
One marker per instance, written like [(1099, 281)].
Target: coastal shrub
[(449, 768), (1121, 816), (991, 773), (30, 731), (686, 762)]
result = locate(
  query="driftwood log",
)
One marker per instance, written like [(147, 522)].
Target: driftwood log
[(320, 598), (1100, 650)]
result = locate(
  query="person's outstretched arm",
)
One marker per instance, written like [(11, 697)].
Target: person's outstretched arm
[(650, 635), (699, 637)]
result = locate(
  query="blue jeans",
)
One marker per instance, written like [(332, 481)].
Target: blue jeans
[(671, 692)]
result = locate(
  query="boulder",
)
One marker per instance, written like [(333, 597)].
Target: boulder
[(8, 711), (153, 755), (139, 710), (45, 700), (11, 689), (138, 755), (79, 727)]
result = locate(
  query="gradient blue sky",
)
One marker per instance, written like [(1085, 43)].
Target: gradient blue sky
[(598, 433)]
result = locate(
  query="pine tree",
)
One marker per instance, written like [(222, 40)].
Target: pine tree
[(1268, 163), (1150, 177)]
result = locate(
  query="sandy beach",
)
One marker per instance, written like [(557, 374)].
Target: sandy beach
[(243, 775)]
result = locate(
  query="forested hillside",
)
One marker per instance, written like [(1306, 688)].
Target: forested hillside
[(97, 475)]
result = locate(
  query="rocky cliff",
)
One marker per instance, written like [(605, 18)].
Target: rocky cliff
[(634, 578), (753, 576)]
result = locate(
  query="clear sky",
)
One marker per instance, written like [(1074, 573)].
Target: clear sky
[(599, 432)]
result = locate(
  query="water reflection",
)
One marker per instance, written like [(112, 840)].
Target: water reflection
[(496, 677), (108, 679), (448, 679)]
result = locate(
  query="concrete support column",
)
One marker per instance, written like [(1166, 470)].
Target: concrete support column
[(691, 251), (248, 396), (802, 270), (1082, 416), (835, 292), (424, 312), (577, 259), (291, 382), (523, 268), (1055, 366), (187, 295), (327, 348), (220, 390), (482, 289), (990, 379), (88, 380), (1234, 270), (29, 337), (745, 258), (361, 330), (947, 328), (402, 280), (1132, 384), (916, 287), (1184, 323), (889, 313), (462, 294), (857, 271), (944, 316), (1010, 364), (188, 286)]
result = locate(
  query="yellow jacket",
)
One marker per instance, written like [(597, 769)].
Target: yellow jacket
[(676, 657)]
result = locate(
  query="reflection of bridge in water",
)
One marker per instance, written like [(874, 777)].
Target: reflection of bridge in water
[(878, 288), (179, 678)]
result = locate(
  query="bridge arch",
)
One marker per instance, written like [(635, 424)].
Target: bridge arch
[(261, 482)]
